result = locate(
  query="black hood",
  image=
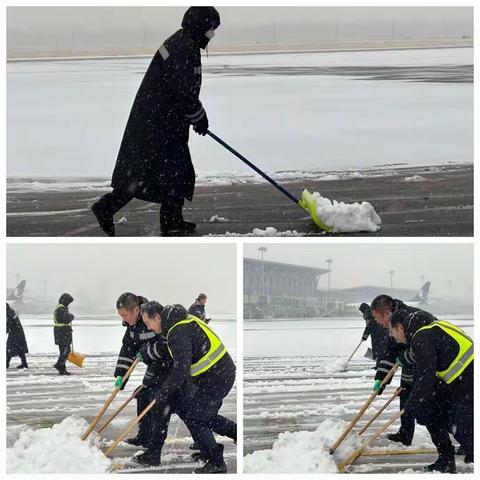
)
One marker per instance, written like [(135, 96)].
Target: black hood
[(172, 314), (197, 21), (399, 305), (412, 322), (65, 299)]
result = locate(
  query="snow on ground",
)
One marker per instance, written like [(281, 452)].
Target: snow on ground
[(303, 452), (58, 449), (217, 219), (268, 232), (347, 217), (415, 178)]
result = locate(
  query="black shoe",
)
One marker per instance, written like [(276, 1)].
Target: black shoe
[(23, 365), (63, 372), (194, 446), (138, 442), (104, 220), (178, 228), (56, 367), (398, 437), (460, 451), (468, 458), (442, 465), (199, 457), (149, 457), (212, 467)]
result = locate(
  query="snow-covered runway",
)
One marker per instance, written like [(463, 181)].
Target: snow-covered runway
[(39, 398)]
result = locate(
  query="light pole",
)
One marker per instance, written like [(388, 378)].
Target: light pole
[(262, 250), (329, 262), (391, 273)]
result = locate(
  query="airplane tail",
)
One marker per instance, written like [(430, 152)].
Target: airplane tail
[(17, 293), (422, 294)]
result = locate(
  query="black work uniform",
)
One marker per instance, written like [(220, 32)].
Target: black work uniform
[(198, 398), (441, 407), (387, 360), (16, 341), (134, 338), (63, 333)]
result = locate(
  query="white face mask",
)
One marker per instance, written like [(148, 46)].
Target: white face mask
[(210, 33)]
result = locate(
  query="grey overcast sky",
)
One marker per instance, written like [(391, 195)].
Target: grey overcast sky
[(356, 264), (88, 27), (99, 273)]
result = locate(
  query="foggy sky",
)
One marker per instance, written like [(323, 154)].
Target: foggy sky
[(356, 265), (98, 273), (92, 27)]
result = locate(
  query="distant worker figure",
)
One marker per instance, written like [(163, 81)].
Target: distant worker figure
[(442, 394), (197, 309), (378, 334), (63, 332), (154, 162), (16, 341)]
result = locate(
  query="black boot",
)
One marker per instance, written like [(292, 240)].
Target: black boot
[(398, 437), (468, 458), (179, 228), (149, 457), (136, 441), (460, 450), (215, 464), (104, 219), (200, 456), (444, 464), (64, 372), (57, 367), (23, 365)]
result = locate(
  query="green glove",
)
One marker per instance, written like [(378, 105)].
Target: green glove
[(399, 361), (140, 357), (376, 386), (118, 382)]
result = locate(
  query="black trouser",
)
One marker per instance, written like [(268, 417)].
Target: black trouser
[(20, 355), (145, 396), (62, 357), (407, 422), (443, 415), (200, 415), (170, 210)]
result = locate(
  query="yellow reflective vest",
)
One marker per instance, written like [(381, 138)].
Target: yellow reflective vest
[(465, 351), (216, 351)]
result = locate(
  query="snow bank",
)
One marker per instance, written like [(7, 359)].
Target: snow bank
[(347, 217), (268, 232), (304, 452), (335, 365), (415, 178), (56, 450)]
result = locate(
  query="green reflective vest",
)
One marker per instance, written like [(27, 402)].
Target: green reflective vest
[(56, 324), (215, 353), (465, 351)]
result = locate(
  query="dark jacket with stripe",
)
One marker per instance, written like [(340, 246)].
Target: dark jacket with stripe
[(63, 336), (379, 335), (188, 343), (154, 159), (16, 341), (394, 349), (430, 351)]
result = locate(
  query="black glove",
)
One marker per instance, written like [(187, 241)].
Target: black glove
[(207, 320), (201, 125), (364, 337), (364, 308)]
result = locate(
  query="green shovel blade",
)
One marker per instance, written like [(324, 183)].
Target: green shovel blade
[(308, 203)]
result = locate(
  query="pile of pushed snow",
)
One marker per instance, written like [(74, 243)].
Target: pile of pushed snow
[(304, 452), (335, 365), (347, 217), (415, 178), (268, 232), (122, 221), (56, 450), (218, 219)]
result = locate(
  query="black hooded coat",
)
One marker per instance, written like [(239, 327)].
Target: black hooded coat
[(154, 160), (63, 334), (16, 341)]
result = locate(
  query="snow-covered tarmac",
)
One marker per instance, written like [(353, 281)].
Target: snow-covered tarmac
[(294, 380)]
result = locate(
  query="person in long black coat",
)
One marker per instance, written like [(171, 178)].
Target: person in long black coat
[(63, 332), (154, 162), (16, 341)]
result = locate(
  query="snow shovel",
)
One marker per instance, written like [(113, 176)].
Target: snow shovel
[(364, 408), (351, 458), (109, 401), (369, 354), (307, 202), (396, 393), (120, 408), (76, 358), (132, 424)]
